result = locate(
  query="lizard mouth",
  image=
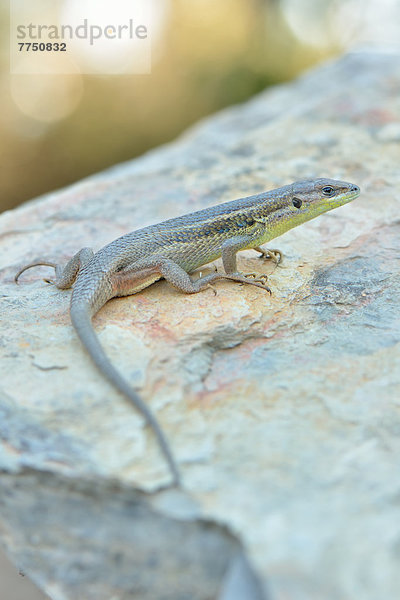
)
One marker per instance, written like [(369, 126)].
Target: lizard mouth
[(344, 198)]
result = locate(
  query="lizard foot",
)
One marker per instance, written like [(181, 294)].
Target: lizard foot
[(260, 277), (251, 279), (275, 255)]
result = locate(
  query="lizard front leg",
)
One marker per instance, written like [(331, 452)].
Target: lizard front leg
[(65, 275), (230, 249)]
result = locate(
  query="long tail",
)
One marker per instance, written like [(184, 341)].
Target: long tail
[(82, 322)]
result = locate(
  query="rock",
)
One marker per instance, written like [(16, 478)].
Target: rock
[(282, 411)]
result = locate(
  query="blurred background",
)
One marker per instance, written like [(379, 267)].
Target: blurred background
[(206, 54)]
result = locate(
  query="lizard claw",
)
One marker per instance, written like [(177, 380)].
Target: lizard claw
[(275, 255), (259, 277), (259, 280), (213, 289)]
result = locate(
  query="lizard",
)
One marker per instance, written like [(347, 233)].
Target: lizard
[(172, 250)]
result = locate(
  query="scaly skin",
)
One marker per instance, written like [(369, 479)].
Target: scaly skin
[(178, 246)]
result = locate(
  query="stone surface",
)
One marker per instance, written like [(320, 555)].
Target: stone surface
[(283, 411)]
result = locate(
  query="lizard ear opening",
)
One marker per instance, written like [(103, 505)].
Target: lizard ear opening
[(297, 202)]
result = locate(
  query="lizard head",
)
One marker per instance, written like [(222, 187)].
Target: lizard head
[(320, 195), (305, 200)]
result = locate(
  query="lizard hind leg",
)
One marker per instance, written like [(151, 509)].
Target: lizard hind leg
[(65, 275), (176, 276)]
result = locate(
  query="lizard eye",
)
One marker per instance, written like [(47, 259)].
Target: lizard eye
[(328, 190), (297, 202)]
